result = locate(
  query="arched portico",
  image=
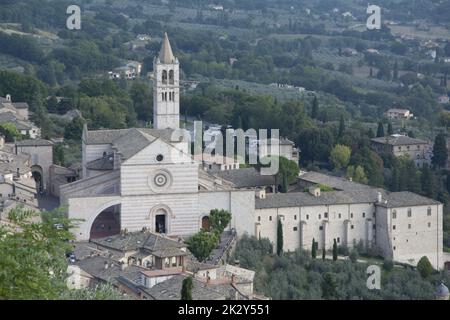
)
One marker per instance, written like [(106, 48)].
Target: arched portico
[(106, 223), (38, 176), (86, 211)]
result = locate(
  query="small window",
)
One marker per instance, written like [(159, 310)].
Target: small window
[(338, 240), (270, 218), (351, 215), (374, 226), (393, 227), (429, 224), (429, 212), (364, 214), (352, 227), (259, 218), (395, 248), (394, 214), (307, 217), (325, 214), (339, 215), (321, 228), (320, 216), (409, 226), (409, 213), (295, 217), (295, 229), (159, 157)]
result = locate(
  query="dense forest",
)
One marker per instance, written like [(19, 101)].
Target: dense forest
[(298, 276)]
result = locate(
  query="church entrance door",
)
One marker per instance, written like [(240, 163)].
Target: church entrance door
[(206, 224), (160, 223)]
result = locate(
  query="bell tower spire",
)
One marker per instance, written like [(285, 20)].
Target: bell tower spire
[(166, 88)]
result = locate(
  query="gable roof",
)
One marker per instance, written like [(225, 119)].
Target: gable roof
[(171, 290), (405, 199), (104, 163), (34, 143), (137, 240), (129, 142), (398, 140), (246, 178)]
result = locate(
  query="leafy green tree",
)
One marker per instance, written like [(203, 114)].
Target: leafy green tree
[(186, 288), (287, 172), (279, 238), (202, 244), (99, 292), (329, 286), (33, 256), (335, 250), (380, 130), (424, 267), (219, 220), (10, 132), (340, 156), (74, 129), (356, 174), (440, 152)]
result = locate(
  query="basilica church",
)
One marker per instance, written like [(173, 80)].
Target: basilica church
[(146, 178)]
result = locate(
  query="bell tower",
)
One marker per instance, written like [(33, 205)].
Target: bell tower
[(166, 88)]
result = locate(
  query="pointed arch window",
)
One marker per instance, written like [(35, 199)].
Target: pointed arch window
[(164, 77), (171, 77)]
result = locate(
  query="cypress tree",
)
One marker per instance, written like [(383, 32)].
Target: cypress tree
[(284, 186), (335, 250), (440, 152), (313, 249), (390, 129), (395, 75), (315, 108), (341, 126), (323, 254), (279, 238), (186, 289), (380, 130)]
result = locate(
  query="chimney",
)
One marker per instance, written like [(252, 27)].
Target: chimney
[(380, 197), (261, 194), (106, 265), (123, 266), (314, 191)]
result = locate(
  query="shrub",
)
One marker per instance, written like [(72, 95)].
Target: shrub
[(424, 267)]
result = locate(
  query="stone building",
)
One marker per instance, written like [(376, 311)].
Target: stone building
[(41, 159), (398, 114), (147, 178), (399, 145)]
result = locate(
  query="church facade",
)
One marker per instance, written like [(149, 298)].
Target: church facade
[(146, 178)]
